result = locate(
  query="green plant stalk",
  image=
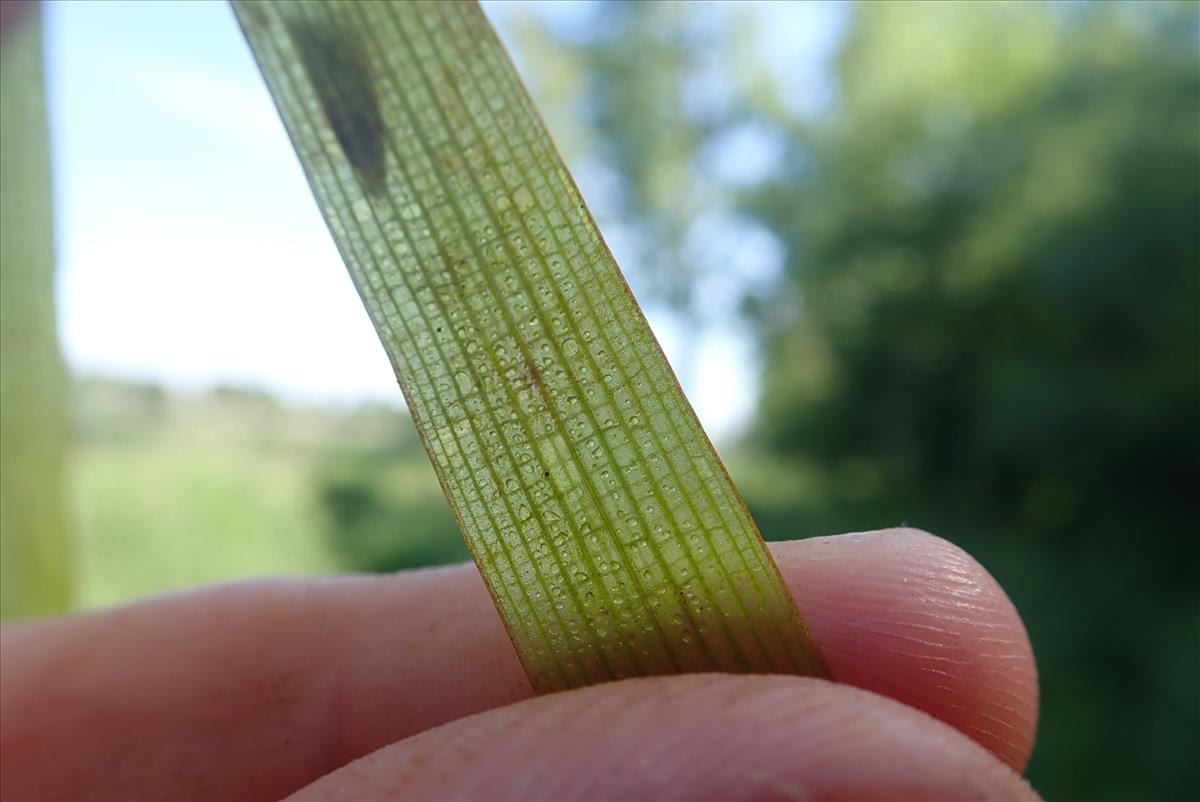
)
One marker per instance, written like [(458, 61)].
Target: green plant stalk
[(601, 518), (35, 547)]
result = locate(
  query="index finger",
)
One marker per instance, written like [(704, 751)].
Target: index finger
[(256, 689)]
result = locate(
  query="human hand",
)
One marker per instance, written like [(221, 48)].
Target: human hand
[(407, 686)]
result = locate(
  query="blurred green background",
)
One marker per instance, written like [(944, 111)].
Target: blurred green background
[(983, 319)]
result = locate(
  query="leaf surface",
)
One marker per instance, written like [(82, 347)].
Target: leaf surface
[(36, 565), (605, 526)]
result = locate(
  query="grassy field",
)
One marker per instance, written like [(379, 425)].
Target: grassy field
[(164, 514), (172, 492)]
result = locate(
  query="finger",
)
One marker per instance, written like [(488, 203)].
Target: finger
[(245, 691), (253, 690), (914, 617), (705, 736)]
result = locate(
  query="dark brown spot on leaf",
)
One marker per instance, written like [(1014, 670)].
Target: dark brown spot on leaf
[(531, 374), (341, 76)]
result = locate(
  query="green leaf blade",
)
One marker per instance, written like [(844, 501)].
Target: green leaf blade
[(601, 518), (37, 568)]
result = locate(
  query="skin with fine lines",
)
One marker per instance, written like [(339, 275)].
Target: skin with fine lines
[(407, 686)]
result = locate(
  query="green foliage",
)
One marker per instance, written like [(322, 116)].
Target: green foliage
[(989, 328), (384, 512)]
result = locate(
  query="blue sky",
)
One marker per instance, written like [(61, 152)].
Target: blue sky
[(165, 274)]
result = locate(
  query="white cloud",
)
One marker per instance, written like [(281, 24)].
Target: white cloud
[(155, 301)]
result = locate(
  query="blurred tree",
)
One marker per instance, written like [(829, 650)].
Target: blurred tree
[(644, 133), (989, 327), (382, 511), (636, 102)]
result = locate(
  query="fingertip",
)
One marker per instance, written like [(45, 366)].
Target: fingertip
[(687, 737), (911, 616)]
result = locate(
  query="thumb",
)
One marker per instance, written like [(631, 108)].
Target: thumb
[(690, 737)]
